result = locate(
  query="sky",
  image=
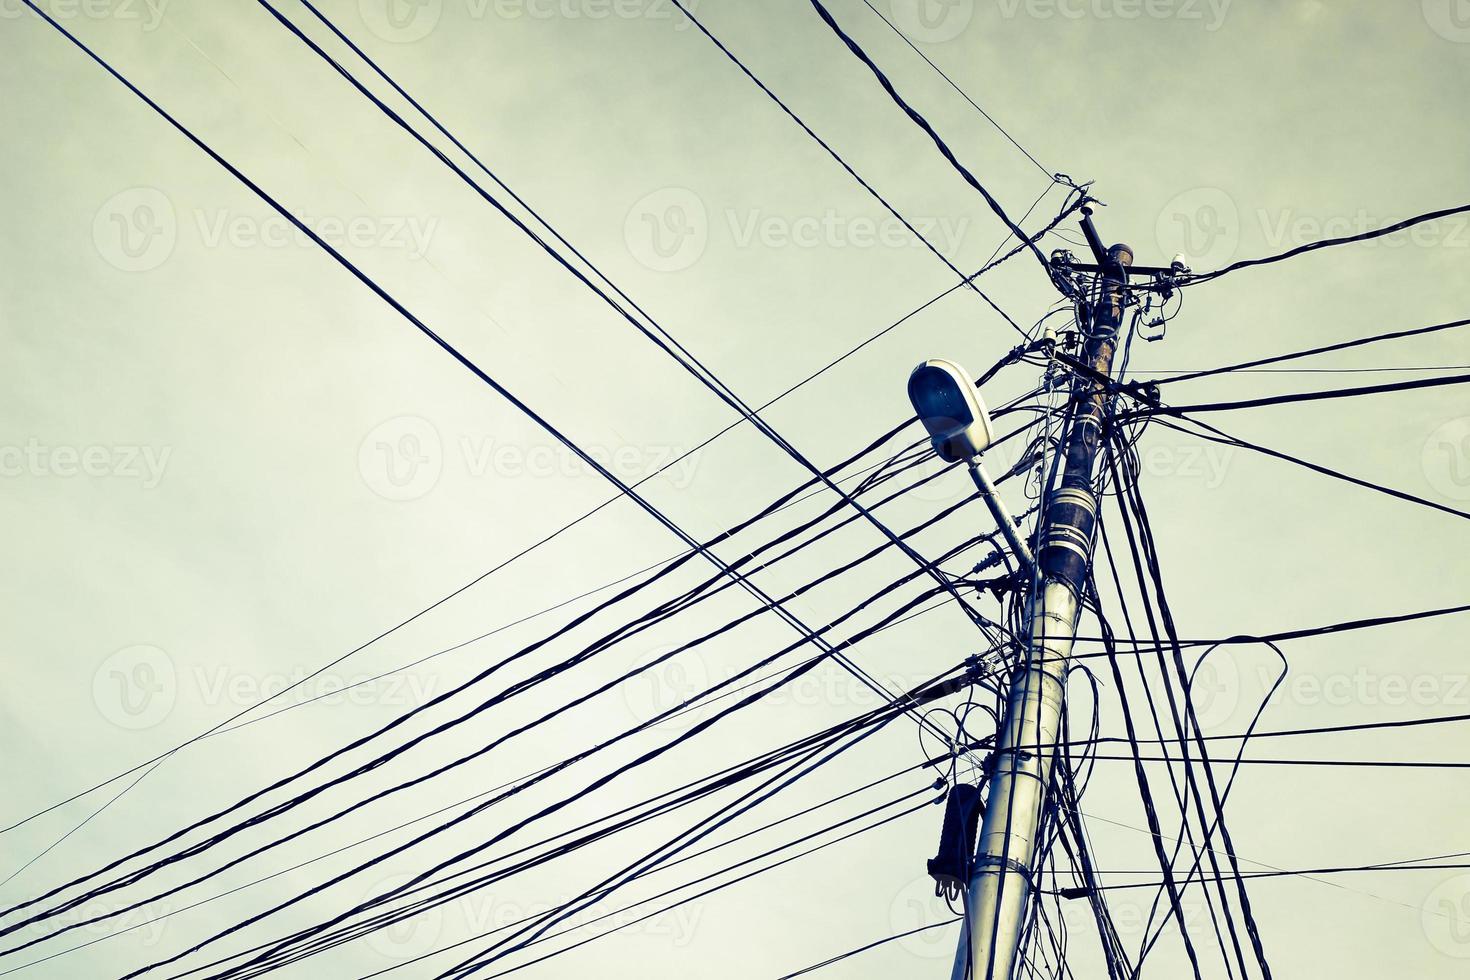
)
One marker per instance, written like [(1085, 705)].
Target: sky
[(224, 462)]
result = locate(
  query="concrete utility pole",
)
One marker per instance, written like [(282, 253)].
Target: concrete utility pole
[(1003, 871)]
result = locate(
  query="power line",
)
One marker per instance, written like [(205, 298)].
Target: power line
[(544, 540), (661, 854), (1301, 873), (709, 891), (1131, 499), (680, 796), (659, 336), (1323, 763), (1196, 279), (505, 833), (417, 323), (642, 759), (923, 124), (1214, 434), (1302, 396), (873, 945), (1405, 369), (344, 812), (964, 281), (965, 95), (1326, 349), (280, 808), (1346, 626)]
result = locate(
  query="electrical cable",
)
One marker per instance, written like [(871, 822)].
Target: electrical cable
[(1216, 435), (1196, 279), (965, 282), (1312, 352), (1302, 396), (939, 143), (642, 759), (965, 95), (378, 290), (659, 336), (709, 891), (504, 833)]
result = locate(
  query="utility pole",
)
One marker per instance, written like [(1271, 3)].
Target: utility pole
[(1004, 868)]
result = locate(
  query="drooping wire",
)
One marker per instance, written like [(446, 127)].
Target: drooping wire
[(963, 94), (939, 142), (1312, 352), (1196, 279)]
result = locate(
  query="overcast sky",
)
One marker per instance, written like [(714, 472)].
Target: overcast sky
[(225, 462)]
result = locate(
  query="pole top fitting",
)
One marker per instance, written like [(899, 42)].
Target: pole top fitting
[(1122, 254)]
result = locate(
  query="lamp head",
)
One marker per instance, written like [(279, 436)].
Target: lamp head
[(951, 409)]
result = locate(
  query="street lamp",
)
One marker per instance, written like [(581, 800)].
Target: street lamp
[(949, 405)]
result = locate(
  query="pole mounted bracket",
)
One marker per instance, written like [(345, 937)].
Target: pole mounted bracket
[(990, 861)]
